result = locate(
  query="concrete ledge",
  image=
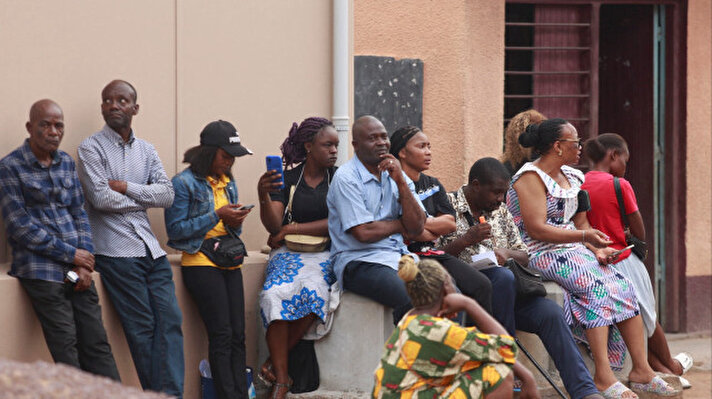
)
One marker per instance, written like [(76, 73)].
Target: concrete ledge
[(536, 348), (23, 339), (349, 354)]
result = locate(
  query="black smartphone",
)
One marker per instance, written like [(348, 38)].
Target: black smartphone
[(274, 162)]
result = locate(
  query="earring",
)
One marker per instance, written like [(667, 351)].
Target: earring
[(560, 152)]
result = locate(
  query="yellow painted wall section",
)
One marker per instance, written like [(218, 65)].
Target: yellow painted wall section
[(699, 138), (461, 44)]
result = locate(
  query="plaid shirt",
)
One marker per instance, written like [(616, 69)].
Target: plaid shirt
[(44, 214)]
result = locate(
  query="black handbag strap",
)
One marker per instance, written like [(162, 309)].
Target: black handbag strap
[(621, 203)]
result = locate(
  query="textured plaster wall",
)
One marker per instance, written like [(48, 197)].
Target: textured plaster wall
[(699, 138), (461, 44)]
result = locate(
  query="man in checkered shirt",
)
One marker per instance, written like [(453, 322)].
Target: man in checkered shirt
[(48, 230)]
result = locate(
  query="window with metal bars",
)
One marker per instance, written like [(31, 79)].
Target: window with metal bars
[(551, 59)]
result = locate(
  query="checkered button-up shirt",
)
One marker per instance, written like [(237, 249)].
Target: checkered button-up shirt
[(119, 221), (44, 214)]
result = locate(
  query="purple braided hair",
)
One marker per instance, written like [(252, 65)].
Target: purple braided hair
[(293, 151)]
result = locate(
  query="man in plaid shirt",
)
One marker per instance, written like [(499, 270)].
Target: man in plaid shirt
[(42, 204)]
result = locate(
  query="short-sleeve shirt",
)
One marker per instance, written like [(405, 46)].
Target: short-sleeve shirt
[(504, 232), (605, 214), (308, 204), (356, 197), (433, 196)]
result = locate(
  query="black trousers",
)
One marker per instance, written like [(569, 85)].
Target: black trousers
[(72, 326), (470, 281), (220, 298)]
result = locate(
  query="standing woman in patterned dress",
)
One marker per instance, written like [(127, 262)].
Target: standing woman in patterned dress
[(299, 294), (543, 199)]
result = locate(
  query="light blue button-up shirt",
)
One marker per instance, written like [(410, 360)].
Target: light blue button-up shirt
[(357, 197)]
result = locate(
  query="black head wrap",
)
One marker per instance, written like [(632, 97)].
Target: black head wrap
[(401, 137)]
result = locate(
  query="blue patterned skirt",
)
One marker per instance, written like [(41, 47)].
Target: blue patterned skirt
[(297, 284)]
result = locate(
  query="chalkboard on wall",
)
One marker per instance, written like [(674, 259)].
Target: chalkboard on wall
[(389, 89)]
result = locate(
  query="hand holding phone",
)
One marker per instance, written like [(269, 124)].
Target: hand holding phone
[(274, 162), (620, 251)]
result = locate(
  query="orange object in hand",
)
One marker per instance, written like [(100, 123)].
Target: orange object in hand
[(482, 219)]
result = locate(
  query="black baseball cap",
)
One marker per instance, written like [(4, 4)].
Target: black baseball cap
[(223, 134)]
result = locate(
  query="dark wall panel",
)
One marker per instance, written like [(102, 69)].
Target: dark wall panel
[(389, 89)]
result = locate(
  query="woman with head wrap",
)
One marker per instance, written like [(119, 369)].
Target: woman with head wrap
[(428, 355), (299, 294), (543, 199)]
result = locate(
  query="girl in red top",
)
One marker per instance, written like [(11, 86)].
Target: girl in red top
[(608, 154)]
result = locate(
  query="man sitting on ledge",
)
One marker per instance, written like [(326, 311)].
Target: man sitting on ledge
[(371, 203)]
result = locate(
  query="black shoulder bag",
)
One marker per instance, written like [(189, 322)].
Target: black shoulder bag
[(224, 251), (640, 248), (527, 283)]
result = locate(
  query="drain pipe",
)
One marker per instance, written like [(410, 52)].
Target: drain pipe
[(340, 75)]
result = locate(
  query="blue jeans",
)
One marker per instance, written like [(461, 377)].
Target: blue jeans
[(143, 295), (544, 318), (379, 283)]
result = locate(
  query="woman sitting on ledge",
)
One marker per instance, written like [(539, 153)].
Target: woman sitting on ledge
[(543, 199), (430, 356), (299, 294)]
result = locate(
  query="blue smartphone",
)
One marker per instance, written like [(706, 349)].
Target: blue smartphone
[(274, 162)]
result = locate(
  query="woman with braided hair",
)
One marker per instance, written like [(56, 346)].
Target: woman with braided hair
[(299, 294), (515, 155), (430, 355)]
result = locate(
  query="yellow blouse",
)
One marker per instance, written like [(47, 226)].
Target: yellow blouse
[(220, 197)]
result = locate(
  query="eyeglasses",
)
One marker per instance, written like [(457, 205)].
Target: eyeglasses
[(577, 141)]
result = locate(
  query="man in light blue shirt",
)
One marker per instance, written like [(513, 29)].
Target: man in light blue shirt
[(371, 204)]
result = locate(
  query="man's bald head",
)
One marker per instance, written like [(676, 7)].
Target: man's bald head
[(361, 124), (370, 140), (119, 82), (41, 107), (46, 128)]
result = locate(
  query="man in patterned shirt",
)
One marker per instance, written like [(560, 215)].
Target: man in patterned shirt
[(123, 177), (496, 239), (48, 230)]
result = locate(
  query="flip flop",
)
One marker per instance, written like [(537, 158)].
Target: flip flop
[(685, 360), (617, 390), (265, 375), (656, 386), (685, 383)]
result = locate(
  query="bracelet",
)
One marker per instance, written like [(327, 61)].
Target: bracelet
[(583, 235)]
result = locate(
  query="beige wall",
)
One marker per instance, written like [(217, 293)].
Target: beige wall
[(463, 103), (260, 65), (699, 138), (23, 339)]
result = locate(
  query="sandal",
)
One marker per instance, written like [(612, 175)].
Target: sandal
[(266, 375), (685, 383), (277, 387), (617, 390), (656, 386), (685, 360)]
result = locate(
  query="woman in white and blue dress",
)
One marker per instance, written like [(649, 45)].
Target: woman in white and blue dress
[(299, 294)]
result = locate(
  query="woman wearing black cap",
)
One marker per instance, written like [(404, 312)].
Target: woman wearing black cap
[(206, 215)]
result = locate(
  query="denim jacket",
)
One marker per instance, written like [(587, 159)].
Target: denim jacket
[(192, 214)]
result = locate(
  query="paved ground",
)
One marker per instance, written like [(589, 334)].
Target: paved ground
[(700, 376)]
